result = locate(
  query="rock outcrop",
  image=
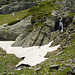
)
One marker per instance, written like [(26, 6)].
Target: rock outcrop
[(43, 35), (67, 6), (11, 32), (39, 36), (27, 35), (15, 5)]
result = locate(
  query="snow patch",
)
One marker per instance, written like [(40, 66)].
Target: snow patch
[(33, 55)]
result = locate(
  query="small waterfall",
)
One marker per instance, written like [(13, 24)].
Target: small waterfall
[(61, 26)]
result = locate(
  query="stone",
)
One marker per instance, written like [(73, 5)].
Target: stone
[(50, 23), (72, 70), (52, 60), (46, 14), (59, 53), (18, 39), (64, 47), (61, 70), (0, 54), (39, 41), (56, 67), (67, 65), (73, 61)]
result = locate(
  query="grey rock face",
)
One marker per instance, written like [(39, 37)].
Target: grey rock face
[(14, 6), (67, 6), (39, 36), (11, 32)]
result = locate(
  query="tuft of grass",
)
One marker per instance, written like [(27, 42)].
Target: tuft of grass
[(72, 14)]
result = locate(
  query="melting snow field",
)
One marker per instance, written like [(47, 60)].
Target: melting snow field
[(33, 55)]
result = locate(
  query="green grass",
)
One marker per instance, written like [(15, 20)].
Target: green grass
[(7, 61), (44, 7), (9, 18), (36, 11)]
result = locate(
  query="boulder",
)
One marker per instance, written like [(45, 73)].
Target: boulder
[(11, 32), (39, 36)]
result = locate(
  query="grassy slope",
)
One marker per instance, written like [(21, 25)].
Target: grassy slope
[(45, 65), (7, 61), (37, 12), (9, 18)]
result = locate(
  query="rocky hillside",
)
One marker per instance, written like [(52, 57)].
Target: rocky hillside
[(9, 6), (42, 26)]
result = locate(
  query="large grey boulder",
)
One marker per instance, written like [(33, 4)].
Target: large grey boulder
[(39, 36), (11, 32)]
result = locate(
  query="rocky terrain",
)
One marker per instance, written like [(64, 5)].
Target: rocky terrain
[(39, 27), (16, 5)]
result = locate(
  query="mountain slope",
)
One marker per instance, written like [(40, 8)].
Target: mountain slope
[(38, 26)]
